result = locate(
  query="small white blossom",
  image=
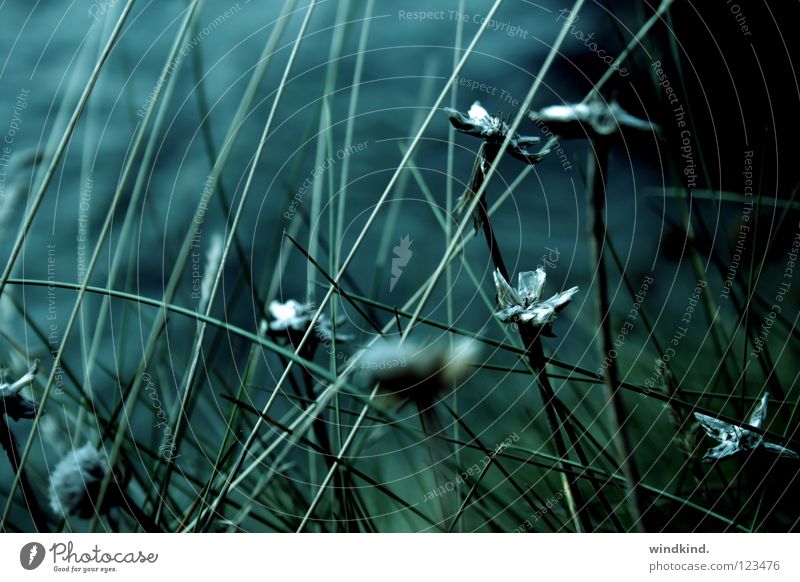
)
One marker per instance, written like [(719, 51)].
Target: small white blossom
[(735, 439), (525, 304), (75, 482), (477, 122), (293, 316)]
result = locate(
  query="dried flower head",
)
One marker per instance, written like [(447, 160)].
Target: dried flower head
[(524, 304), (12, 403), (290, 315), (75, 482), (418, 373), (293, 318), (735, 439), (686, 437), (594, 118), (477, 122)]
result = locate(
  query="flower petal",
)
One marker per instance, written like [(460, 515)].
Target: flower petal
[(759, 413), (714, 427), (506, 296), (511, 314), (24, 380), (282, 311), (530, 285), (625, 119), (780, 451), (477, 113), (721, 451), (540, 314), (526, 156), (525, 141), (462, 123), (560, 300)]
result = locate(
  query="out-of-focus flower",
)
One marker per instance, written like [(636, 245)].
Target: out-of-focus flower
[(75, 482), (418, 373), (12, 403), (735, 439), (477, 122), (291, 315), (524, 304), (595, 118), (294, 317)]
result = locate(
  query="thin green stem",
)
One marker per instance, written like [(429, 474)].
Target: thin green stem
[(596, 176)]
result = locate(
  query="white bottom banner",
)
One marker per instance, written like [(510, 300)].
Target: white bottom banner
[(396, 557)]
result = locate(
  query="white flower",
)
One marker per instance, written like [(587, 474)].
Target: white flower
[(595, 118), (477, 122), (75, 482), (525, 305), (735, 439), (293, 316), (480, 120), (14, 404), (416, 372)]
